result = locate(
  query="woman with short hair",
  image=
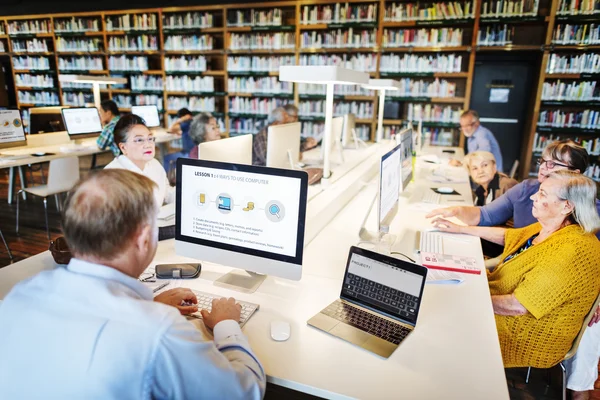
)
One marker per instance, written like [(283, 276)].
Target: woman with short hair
[(204, 128), (491, 184)]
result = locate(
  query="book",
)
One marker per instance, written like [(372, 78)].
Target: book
[(447, 262)]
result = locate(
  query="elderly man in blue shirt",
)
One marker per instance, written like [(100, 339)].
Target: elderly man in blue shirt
[(92, 329), (479, 138)]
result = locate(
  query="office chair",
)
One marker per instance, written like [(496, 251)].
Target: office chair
[(63, 173)]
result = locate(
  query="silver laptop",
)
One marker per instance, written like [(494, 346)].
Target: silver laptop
[(379, 303)]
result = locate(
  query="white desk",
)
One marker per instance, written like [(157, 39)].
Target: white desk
[(453, 353)]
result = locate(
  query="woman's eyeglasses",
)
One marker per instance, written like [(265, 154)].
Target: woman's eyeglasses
[(140, 140), (550, 164)]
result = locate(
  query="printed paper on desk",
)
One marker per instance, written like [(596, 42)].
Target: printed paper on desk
[(449, 262)]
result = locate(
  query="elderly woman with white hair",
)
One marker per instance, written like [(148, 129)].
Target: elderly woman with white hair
[(549, 276), (203, 128), (491, 184)]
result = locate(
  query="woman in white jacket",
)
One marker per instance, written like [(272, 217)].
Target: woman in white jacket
[(136, 143)]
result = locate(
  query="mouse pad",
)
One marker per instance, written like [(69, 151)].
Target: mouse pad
[(454, 193)]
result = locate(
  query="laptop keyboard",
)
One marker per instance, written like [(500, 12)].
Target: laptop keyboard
[(367, 322), (432, 242), (205, 302)]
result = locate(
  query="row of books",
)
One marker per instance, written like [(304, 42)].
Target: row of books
[(316, 108), (79, 99), (188, 84), (29, 26), (128, 63), (189, 42), (123, 101), (572, 91), (28, 62), (573, 63), (146, 82), (188, 20), (586, 119), (173, 118), (509, 8), (38, 98), (258, 63), (541, 141), (129, 22), (262, 41), (185, 63), (30, 46), (81, 63), (415, 63), (340, 38), (593, 172), (87, 44), (399, 12), (254, 105), (79, 85), (191, 103), (133, 43), (77, 25), (442, 37), (342, 90), (433, 113), (578, 7), (423, 88), (496, 35), (244, 126), (2, 47), (37, 81), (269, 84), (252, 17), (2, 29), (339, 13), (576, 34), (358, 62)]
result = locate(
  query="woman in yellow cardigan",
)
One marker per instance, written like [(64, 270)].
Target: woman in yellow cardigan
[(549, 276)]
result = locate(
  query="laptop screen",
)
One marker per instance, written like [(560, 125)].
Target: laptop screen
[(385, 284)]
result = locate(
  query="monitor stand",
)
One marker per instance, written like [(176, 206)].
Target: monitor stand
[(380, 241), (241, 281)]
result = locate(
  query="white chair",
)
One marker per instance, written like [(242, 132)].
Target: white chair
[(513, 170), (63, 173)]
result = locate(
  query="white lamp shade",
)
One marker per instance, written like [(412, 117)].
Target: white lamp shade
[(323, 74), (382, 84), (107, 80)]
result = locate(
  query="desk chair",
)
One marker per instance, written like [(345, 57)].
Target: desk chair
[(63, 174), (573, 349), (6, 245)]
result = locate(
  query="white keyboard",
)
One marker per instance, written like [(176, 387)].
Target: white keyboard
[(432, 242), (205, 302), (431, 197)]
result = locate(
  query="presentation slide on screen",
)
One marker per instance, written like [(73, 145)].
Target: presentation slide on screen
[(11, 126), (390, 183), (82, 120), (148, 113), (255, 211)]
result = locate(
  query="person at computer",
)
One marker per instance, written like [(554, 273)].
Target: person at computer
[(306, 143), (203, 128), (96, 331), (181, 126), (491, 184), (137, 150), (549, 276), (478, 138), (259, 143), (109, 115)]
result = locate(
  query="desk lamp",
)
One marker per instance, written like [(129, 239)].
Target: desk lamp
[(96, 81)]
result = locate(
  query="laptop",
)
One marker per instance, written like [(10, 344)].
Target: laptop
[(379, 303)]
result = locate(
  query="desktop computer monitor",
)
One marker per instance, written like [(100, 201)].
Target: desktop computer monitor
[(389, 187), (337, 125), (406, 143), (11, 129), (82, 122), (347, 130), (46, 119), (149, 114), (236, 149), (241, 216), (283, 145)]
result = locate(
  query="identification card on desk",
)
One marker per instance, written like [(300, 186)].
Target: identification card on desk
[(449, 262)]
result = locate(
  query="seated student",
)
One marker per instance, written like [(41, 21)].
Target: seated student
[(259, 143), (203, 128), (95, 331), (137, 148), (181, 126), (306, 143), (549, 276), (109, 115), (491, 184)]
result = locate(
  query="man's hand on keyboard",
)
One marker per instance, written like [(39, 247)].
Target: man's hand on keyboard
[(222, 309), (183, 299), (446, 226)]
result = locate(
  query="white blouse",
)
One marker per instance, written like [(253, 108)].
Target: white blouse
[(165, 193)]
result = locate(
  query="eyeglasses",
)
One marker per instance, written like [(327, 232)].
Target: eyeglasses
[(550, 164), (140, 140), (463, 127)]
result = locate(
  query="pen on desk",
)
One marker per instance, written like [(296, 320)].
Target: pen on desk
[(162, 285)]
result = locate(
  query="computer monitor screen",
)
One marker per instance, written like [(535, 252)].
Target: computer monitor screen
[(11, 129), (46, 119), (148, 113), (337, 124), (82, 122), (406, 142), (389, 186), (283, 145), (236, 149), (349, 126), (241, 216)]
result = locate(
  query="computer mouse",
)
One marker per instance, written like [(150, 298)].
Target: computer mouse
[(280, 331), (445, 189), (40, 153)]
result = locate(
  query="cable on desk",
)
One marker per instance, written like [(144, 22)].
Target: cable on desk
[(404, 255)]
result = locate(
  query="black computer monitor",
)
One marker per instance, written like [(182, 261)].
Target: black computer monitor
[(46, 119), (11, 129), (82, 122)]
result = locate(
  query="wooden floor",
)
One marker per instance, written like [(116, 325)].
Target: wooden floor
[(32, 240)]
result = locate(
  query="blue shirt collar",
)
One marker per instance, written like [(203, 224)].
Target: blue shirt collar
[(107, 273)]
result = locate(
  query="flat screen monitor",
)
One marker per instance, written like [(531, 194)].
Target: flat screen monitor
[(389, 187), (236, 149), (11, 129), (347, 131), (337, 125), (406, 143), (46, 119), (283, 145), (149, 115), (82, 122), (241, 216)]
